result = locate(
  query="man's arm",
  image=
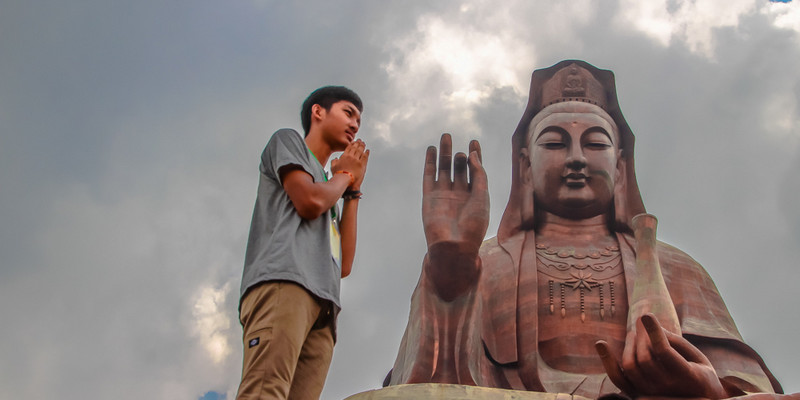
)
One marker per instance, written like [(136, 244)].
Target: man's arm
[(355, 158), (311, 199), (349, 229)]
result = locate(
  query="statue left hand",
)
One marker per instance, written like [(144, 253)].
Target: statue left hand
[(656, 362)]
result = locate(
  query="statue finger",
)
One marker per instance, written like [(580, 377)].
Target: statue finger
[(460, 171), (629, 351), (475, 146), (477, 175), (652, 351), (429, 174), (445, 160), (613, 369), (673, 350), (655, 332), (630, 359)]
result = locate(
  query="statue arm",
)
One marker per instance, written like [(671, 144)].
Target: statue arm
[(657, 362), (709, 355)]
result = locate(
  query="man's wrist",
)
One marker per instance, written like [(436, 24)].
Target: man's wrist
[(351, 194), (349, 174)]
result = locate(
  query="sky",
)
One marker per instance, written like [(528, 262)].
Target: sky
[(130, 136)]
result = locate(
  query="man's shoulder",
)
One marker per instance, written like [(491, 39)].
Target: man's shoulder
[(286, 135), (284, 146)]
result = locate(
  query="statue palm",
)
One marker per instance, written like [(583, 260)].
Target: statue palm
[(455, 215)]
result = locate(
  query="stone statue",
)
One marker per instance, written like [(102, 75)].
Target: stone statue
[(574, 295)]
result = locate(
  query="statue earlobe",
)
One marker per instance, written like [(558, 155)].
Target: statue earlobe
[(525, 173), (526, 179), (622, 220)]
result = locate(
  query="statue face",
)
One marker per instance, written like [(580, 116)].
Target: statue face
[(573, 151)]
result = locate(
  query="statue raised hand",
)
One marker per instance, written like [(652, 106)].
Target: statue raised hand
[(455, 214)]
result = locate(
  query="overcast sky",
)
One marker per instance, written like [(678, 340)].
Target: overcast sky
[(130, 135)]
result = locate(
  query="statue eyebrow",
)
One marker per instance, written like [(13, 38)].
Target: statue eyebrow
[(551, 128)]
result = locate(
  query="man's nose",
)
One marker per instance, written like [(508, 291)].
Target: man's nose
[(575, 156)]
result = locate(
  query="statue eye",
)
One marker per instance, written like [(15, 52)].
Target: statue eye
[(597, 145), (596, 140), (553, 145)]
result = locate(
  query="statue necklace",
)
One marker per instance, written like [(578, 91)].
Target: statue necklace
[(583, 270)]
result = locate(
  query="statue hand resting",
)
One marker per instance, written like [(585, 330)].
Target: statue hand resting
[(455, 214), (659, 363)]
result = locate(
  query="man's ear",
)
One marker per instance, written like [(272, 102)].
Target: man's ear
[(317, 112)]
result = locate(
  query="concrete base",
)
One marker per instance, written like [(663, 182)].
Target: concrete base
[(439, 391)]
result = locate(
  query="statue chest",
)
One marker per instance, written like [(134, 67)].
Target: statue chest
[(582, 298)]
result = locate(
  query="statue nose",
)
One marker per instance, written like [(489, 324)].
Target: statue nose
[(575, 157)]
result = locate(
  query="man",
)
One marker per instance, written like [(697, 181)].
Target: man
[(300, 245)]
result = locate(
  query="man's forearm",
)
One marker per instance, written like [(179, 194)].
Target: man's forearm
[(311, 199), (348, 229)]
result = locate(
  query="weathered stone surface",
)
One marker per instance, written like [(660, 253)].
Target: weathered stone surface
[(575, 294), (437, 391)]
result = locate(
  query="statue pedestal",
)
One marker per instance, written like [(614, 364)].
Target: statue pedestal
[(440, 391)]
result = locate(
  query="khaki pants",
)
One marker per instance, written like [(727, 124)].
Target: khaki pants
[(288, 342)]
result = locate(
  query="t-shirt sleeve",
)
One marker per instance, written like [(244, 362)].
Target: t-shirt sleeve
[(285, 148)]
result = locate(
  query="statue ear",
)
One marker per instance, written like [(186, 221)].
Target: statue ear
[(525, 173), (620, 194), (526, 179)]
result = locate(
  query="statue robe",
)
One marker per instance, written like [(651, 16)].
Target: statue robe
[(488, 336)]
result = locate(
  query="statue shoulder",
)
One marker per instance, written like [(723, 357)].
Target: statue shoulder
[(673, 259)]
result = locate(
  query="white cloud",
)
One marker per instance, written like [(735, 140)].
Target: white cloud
[(454, 61), (689, 21), (787, 15), (779, 117), (212, 321), (464, 62)]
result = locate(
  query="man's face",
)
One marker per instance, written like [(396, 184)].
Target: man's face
[(573, 157), (340, 124)]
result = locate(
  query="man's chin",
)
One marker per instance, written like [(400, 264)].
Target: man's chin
[(341, 146)]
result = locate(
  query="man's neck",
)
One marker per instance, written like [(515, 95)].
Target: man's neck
[(321, 150)]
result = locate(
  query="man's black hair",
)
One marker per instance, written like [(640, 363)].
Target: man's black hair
[(326, 96)]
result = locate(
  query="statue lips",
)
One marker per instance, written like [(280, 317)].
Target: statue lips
[(575, 180)]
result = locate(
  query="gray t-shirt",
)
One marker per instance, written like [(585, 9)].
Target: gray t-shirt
[(282, 245)]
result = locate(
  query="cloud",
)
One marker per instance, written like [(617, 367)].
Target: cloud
[(451, 62), (212, 321), (693, 23), (786, 14), (129, 155)]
